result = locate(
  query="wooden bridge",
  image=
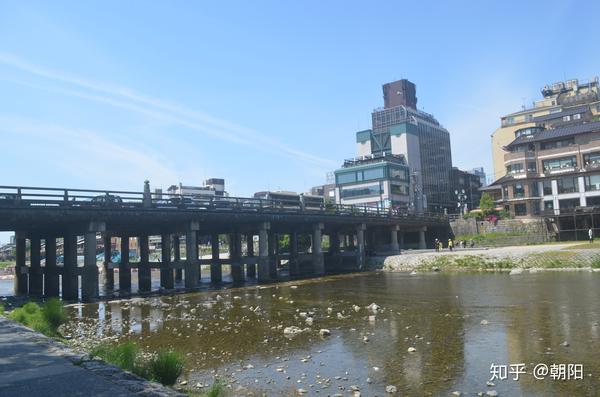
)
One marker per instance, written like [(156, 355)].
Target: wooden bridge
[(47, 214)]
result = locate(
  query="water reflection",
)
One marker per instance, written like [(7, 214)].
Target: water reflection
[(238, 335)]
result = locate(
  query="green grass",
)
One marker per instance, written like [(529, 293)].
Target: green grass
[(45, 319), (585, 246), (1, 309), (165, 367), (5, 264), (216, 390)]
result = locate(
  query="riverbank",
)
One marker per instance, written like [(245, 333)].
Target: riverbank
[(33, 364), (567, 256)]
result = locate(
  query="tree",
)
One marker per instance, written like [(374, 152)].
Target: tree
[(486, 204)]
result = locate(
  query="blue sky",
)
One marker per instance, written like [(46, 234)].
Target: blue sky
[(265, 94)]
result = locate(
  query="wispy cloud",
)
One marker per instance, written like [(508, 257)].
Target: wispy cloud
[(128, 99)]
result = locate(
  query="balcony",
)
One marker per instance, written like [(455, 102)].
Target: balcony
[(528, 155)]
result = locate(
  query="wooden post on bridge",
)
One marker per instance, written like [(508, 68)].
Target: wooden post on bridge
[(216, 270), (394, 246), (51, 279), (192, 268), (69, 277), (294, 264), (166, 272), (21, 281), (360, 240), (250, 267), (124, 267), (422, 242), (89, 279), (177, 257), (264, 275), (144, 270), (36, 278), (317, 250), (272, 250), (109, 272), (235, 255)]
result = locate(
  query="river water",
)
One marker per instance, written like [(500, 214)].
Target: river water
[(458, 324)]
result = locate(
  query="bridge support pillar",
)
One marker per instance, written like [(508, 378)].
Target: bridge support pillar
[(177, 257), (192, 268), (422, 244), (250, 267), (89, 278), (36, 278), (124, 267), (166, 272), (351, 241), (401, 240), (264, 274), (109, 272), (235, 255), (21, 276), (216, 270), (394, 246), (144, 270), (360, 252), (334, 243), (317, 251), (272, 249), (51, 287), (294, 264), (69, 276)]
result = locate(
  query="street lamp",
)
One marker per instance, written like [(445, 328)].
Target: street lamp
[(462, 200)]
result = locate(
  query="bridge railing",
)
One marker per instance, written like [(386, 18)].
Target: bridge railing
[(18, 196)]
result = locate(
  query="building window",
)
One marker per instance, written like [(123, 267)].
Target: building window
[(568, 184), (566, 118), (592, 183), (548, 205), (557, 144), (514, 168), (547, 186), (400, 174), (348, 177), (568, 204), (520, 209), (577, 116), (531, 167), (510, 120), (563, 162), (374, 173), (370, 190), (533, 189), (505, 192), (518, 190), (591, 158), (399, 189)]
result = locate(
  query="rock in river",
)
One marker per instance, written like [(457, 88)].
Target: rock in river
[(391, 389)]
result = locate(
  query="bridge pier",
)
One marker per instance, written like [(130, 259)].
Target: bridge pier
[(124, 267), (317, 251), (70, 280), (250, 267), (264, 274), (394, 246), (272, 249), (177, 257), (21, 281), (166, 273), (351, 242), (51, 279), (294, 264), (360, 252), (401, 240), (144, 270), (109, 272), (422, 243), (235, 256), (192, 268), (36, 278), (216, 270), (89, 279)]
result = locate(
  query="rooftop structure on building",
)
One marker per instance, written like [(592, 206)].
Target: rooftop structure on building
[(213, 187)]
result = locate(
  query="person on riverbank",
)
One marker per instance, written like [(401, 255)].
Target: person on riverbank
[(436, 244), (450, 244), (591, 235)]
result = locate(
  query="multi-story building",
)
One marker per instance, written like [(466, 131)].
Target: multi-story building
[(563, 103), (549, 170), (481, 174), (399, 128), (326, 191), (213, 187), (379, 180), (465, 187)]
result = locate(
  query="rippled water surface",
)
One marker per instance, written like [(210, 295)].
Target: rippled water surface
[(458, 324)]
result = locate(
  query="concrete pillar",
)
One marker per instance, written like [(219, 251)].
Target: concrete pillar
[(401, 240), (216, 271), (51, 279), (89, 278), (69, 277), (360, 252), (294, 264), (36, 278), (351, 241), (317, 252), (334, 243), (422, 243), (109, 273), (177, 257), (394, 246), (124, 267), (166, 272), (235, 255), (144, 270), (581, 189), (263, 253), (273, 248), (192, 267), (250, 268), (21, 281)]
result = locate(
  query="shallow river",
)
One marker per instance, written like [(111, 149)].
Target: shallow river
[(458, 324)]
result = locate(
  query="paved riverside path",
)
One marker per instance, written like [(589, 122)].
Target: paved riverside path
[(33, 365)]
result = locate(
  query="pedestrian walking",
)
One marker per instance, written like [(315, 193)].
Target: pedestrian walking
[(591, 235), (450, 244)]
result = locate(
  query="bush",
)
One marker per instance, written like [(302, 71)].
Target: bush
[(1, 309), (125, 356), (54, 313), (166, 367), (216, 390), (45, 319)]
